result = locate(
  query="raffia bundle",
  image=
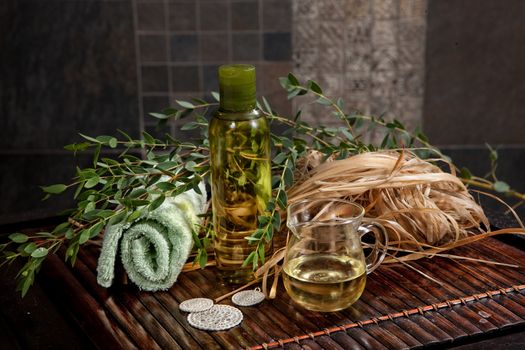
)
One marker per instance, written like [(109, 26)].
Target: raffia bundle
[(425, 210), (414, 199)]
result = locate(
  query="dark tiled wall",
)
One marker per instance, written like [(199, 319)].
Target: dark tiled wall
[(182, 43), (475, 67), (65, 67), (69, 66), (475, 64)]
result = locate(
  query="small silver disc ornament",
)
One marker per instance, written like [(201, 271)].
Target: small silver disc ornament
[(196, 305), (248, 297), (217, 318)]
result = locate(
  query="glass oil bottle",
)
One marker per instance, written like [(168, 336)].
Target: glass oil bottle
[(240, 170)]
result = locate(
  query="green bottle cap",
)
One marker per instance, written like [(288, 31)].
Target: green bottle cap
[(237, 87)]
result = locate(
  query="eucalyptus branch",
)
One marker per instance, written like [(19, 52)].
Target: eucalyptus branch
[(124, 189)]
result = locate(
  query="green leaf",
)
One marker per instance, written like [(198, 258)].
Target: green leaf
[(134, 216), (137, 192), (69, 233), (117, 218), (261, 252), (54, 189), (39, 252), (92, 182), (288, 177), (84, 236), (190, 165), (500, 186), (30, 248), (159, 116), (148, 138), (249, 259), (157, 202), (282, 199), (112, 142), (18, 237), (465, 173), (190, 126), (216, 96), (279, 158), (89, 138), (165, 186), (324, 101), (203, 258), (293, 80), (347, 133), (312, 85), (26, 283), (185, 104), (95, 229), (96, 154)]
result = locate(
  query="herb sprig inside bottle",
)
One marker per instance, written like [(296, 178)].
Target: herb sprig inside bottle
[(240, 170)]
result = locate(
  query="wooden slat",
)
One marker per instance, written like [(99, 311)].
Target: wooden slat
[(91, 316), (125, 317), (425, 297), (457, 286)]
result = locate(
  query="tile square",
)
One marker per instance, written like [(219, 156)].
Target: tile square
[(150, 16), (358, 57), (331, 34), (182, 15), (306, 59), (305, 34), (411, 56), (410, 83), (384, 32), (383, 84), (184, 48), (331, 9), (268, 76), (210, 80), (331, 59), (152, 48), (214, 47), (358, 9), (246, 47), (385, 58), (245, 15), (412, 31), (385, 9), (277, 46), (359, 32), (214, 15), (185, 79), (277, 15), (155, 79), (412, 9), (305, 9)]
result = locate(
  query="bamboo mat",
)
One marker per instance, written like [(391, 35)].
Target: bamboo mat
[(399, 309)]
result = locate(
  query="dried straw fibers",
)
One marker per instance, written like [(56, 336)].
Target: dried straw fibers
[(414, 199)]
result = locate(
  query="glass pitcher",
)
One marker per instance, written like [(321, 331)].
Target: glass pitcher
[(325, 266)]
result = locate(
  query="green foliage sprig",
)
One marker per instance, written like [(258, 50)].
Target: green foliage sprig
[(148, 170)]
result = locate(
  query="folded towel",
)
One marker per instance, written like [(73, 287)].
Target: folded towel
[(155, 247)]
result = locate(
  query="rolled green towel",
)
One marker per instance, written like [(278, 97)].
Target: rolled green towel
[(155, 247)]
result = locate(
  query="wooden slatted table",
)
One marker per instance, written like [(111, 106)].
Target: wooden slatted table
[(399, 309)]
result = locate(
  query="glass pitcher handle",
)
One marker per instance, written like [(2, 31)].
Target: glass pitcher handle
[(379, 249)]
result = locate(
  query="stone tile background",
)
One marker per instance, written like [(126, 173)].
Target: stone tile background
[(191, 38), (370, 53), (69, 66)]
